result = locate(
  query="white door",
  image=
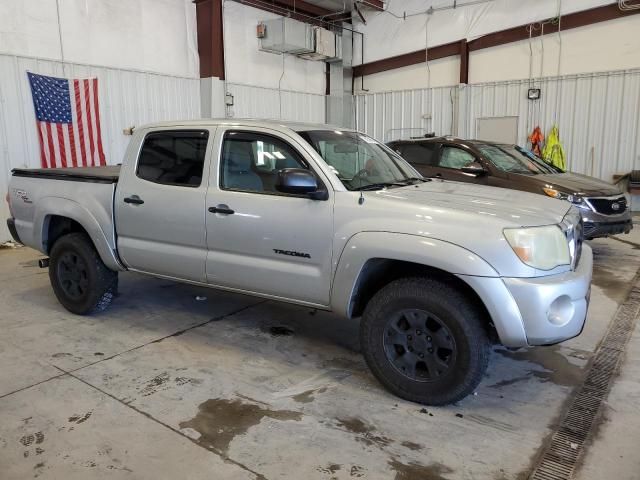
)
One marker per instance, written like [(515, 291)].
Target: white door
[(259, 239)]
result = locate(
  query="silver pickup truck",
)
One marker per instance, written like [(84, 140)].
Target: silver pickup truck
[(323, 217)]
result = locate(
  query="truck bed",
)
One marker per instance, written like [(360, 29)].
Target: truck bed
[(108, 174)]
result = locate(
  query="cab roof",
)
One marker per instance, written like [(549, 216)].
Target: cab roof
[(248, 122)]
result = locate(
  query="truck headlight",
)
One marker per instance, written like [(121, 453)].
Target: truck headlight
[(574, 199), (543, 248)]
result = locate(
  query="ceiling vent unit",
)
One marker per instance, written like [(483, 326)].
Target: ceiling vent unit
[(284, 35), (324, 43)]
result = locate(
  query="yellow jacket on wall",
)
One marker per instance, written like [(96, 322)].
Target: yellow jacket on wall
[(553, 151)]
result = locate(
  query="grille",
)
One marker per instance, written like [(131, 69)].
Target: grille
[(606, 206), (559, 460)]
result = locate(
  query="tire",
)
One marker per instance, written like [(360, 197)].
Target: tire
[(81, 281), (425, 341)]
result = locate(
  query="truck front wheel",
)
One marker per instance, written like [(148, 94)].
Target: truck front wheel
[(424, 341), (81, 281)]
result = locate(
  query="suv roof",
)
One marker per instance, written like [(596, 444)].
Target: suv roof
[(448, 139)]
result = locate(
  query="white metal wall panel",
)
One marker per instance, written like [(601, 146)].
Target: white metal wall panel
[(598, 115), (126, 98), (389, 115), (269, 103)]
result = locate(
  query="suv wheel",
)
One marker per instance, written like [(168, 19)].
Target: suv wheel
[(81, 281), (424, 341)]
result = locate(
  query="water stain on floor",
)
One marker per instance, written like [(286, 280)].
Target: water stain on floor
[(364, 431), (555, 366), (415, 471), (612, 285), (308, 396), (220, 420)]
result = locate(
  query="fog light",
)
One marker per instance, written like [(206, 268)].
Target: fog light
[(561, 311)]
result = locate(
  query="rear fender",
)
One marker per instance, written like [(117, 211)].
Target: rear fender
[(47, 207)]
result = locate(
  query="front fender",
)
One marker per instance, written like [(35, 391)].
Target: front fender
[(430, 252), (64, 207)]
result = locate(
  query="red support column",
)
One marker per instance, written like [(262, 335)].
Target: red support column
[(210, 38), (464, 61)]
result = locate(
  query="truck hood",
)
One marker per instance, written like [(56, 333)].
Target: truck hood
[(470, 216), (510, 208), (573, 183)]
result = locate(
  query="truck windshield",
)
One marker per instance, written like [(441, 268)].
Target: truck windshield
[(360, 162), (513, 159)]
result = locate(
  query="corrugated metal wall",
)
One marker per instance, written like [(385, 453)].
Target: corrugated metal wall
[(260, 102), (405, 113), (126, 98), (598, 115)]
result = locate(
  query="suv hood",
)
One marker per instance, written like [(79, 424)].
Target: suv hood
[(574, 184), (510, 208)]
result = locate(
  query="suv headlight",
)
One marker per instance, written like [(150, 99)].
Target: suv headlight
[(544, 248), (574, 199)]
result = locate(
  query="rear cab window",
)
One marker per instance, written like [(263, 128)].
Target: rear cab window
[(173, 157)]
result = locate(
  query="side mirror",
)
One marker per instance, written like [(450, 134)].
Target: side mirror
[(474, 168), (299, 181)]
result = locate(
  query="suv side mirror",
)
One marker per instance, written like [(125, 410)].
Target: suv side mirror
[(299, 181), (474, 168)]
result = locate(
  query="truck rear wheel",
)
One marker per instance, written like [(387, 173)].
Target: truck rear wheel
[(424, 341), (81, 281)]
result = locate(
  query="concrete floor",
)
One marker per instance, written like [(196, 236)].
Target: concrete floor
[(164, 386)]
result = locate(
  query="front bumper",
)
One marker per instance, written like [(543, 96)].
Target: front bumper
[(538, 310), (599, 225), (554, 308)]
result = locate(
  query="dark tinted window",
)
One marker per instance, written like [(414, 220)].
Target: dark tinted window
[(173, 157), (419, 153), (514, 159), (251, 161), (453, 157)]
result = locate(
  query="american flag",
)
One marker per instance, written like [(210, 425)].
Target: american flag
[(68, 132)]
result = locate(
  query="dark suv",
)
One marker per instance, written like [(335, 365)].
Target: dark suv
[(603, 206)]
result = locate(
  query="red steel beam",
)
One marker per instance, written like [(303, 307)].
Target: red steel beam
[(413, 58), (569, 21), (210, 40)]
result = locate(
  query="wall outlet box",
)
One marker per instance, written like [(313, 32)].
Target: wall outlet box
[(426, 116)]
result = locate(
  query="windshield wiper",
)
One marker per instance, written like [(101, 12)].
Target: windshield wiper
[(412, 180), (379, 186)]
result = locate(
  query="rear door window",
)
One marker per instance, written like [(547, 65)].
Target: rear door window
[(173, 157), (420, 153)]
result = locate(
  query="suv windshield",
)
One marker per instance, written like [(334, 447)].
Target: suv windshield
[(513, 159), (360, 162)]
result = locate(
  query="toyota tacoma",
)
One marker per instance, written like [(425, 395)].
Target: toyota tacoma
[(323, 217)]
